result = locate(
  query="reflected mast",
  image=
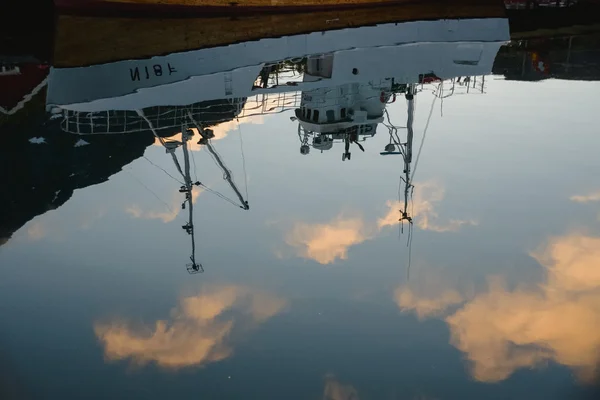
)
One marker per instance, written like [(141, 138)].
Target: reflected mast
[(396, 147), (188, 184)]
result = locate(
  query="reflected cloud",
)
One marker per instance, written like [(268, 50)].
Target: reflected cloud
[(90, 218), (423, 306), (36, 231), (502, 330), (136, 211), (335, 390), (327, 242), (586, 198), (423, 210), (197, 332), (324, 243)]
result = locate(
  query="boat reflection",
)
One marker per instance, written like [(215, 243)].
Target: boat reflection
[(338, 84), (188, 185)]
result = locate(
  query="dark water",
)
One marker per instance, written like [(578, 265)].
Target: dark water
[(488, 288)]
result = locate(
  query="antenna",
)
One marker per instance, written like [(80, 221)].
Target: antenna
[(405, 187), (208, 134), (186, 135), (187, 184)]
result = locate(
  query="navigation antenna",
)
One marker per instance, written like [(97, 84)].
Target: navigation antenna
[(186, 134), (186, 186), (208, 134), (405, 186)]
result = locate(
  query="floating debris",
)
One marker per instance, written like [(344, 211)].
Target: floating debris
[(37, 140), (81, 142)]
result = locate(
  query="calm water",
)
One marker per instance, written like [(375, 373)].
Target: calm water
[(488, 289)]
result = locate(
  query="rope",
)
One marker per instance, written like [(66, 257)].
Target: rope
[(424, 135), (220, 195), (194, 162), (400, 188), (442, 99), (243, 158), (214, 158), (148, 189), (161, 140), (393, 132), (409, 245), (410, 233), (401, 225), (163, 170)]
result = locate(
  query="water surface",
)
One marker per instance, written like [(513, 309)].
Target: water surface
[(318, 290)]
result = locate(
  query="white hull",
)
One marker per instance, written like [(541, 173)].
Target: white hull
[(447, 48)]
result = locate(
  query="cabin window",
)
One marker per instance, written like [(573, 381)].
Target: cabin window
[(343, 113), (330, 115), (316, 116), (308, 113)]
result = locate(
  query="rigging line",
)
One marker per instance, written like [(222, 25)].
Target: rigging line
[(414, 100), (191, 151), (243, 157), (410, 233), (143, 116), (387, 114), (220, 195), (399, 200), (214, 158), (442, 99), (194, 162), (148, 189), (398, 141), (412, 200), (163, 170), (400, 188), (160, 139), (423, 138)]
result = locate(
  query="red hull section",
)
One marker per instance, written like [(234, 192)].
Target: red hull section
[(104, 8), (18, 88)]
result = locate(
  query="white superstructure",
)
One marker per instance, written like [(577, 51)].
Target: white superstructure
[(403, 51)]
